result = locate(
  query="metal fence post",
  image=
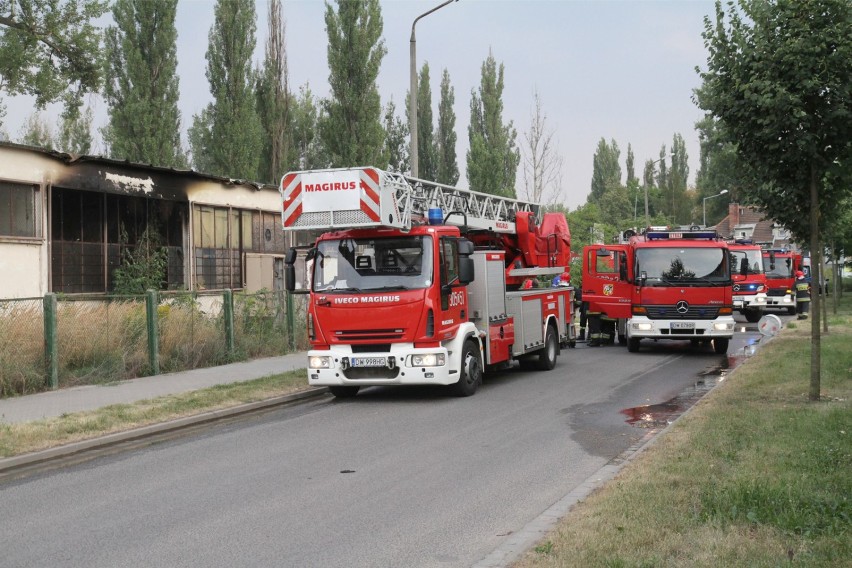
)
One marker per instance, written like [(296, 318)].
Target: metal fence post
[(291, 322), (51, 351), (153, 335), (228, 301)]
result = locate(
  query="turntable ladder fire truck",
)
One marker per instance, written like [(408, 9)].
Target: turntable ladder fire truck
[(418, 283), (662, 284)]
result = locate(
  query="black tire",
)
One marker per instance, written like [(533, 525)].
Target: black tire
[(633, 344), (752, 316), (343, 392), (547, 356), (720, 345), (470, 375)]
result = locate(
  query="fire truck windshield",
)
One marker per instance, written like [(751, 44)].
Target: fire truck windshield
[(746, 262), (370, 264), (672, 266), (782, 268)]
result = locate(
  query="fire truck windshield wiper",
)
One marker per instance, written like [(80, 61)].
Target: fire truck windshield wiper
[(350, 289), (388, 288)]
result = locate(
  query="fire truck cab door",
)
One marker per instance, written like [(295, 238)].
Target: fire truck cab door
[(453, 291), (607, 278)]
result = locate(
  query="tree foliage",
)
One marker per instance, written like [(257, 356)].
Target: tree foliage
[(445, 140), (717, 170), (779, 80), (274, 100), (351, 125), (492, 159), (142, 86), (50, 50), (308, 152), (75, 134), (606, 170), (675, 192), (396, 141), (427, 153), (226, 136), (36, 131)]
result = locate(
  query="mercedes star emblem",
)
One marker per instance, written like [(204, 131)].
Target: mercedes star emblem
[(682, 307)]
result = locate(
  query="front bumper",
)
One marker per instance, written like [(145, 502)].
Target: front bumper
[(642, 327), (751, 301), (388, 368), (785, 301)]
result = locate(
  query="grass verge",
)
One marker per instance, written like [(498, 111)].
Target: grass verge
[(17, 439), (755, 475)]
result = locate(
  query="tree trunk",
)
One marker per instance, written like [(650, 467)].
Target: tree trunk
[(816, 255), (823, 292)]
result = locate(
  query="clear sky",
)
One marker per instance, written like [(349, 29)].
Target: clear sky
[(621, 70)]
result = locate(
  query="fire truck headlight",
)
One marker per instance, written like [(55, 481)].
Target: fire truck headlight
[(319, 362), (723, 326), (643, 326), (427, 360)]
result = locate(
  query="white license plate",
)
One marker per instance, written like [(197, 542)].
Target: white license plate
[(683, 325), (369, 362)]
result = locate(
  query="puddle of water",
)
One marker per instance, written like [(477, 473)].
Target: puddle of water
[(661, 415)]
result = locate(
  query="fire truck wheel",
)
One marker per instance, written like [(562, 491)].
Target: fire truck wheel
[(471, 372), (752, 316), (720, 345), (343, 392), (633, 344), (547, 356)]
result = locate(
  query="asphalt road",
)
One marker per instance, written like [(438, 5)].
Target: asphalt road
[(394, 477)]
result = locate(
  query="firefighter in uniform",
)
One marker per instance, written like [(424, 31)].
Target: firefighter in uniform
[(600, 329), (803, 296)]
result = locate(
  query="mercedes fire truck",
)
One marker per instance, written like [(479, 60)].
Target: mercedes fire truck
[(780, 266), (749, 280), (418, 283), (662, 284)]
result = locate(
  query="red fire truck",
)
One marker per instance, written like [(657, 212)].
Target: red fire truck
[(780, 266), (418, 283), (749, 280), (662, 284)]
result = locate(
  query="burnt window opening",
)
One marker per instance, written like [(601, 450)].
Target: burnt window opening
[(221, 236), (19, 214), (90, 232)]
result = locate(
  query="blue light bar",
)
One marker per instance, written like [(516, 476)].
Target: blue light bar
[(671, 235)]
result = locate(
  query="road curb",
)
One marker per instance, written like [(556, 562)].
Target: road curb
[(88, 449)]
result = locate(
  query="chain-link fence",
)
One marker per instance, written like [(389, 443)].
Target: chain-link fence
[(63, 341), (21, 346)]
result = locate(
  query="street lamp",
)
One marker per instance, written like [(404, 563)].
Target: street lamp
[(412, 96), (704, 204)]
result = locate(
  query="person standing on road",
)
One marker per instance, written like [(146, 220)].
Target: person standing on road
[(803, 296)]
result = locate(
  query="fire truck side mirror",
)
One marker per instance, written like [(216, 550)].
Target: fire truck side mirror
[(643, 276), (466, 271), (290, 270)]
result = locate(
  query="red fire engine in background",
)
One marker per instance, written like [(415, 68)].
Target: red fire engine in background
[(417, 283), (749, 280), (780, 266), (662, 284)]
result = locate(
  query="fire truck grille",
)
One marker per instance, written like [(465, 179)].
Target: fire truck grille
[(693, 312), (346, 217), (777, 292), (381, 335)]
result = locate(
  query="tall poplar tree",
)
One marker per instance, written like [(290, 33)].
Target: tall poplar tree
[(351, 127), (307, 152), (75, 134), (142, 83), (226, 136), (427, 160), (606, 170), (681, 209), (542, 161), (493, 157), (274, 100), (396, 141), (445, 141)]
